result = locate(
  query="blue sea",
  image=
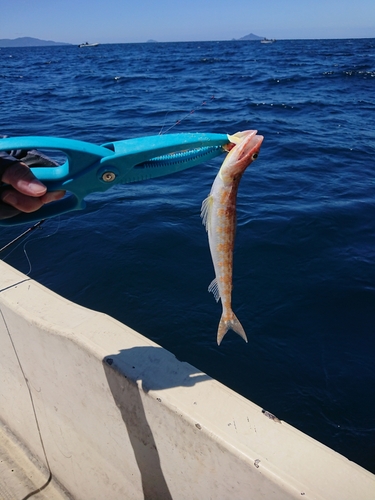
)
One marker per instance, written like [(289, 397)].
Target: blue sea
[(304, 262)]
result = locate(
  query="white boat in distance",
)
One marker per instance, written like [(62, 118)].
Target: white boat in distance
[(266, 40), (86, 44)]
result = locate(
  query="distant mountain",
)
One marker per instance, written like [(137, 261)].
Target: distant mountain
[(27, 41), (252, 37)]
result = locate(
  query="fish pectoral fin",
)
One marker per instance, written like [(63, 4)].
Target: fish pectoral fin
[(230, 324), (206, 211), (214, 288)]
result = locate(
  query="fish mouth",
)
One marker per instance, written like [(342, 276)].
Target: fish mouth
[(256, 141), (240, 136), (246, 138), (244, 146)]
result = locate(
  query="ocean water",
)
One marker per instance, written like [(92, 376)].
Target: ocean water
[(304, 262)]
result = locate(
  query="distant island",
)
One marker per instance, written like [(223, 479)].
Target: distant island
[(251, 36), (27, 41)]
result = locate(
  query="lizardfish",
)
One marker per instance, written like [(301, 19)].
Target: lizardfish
[(219, 217)]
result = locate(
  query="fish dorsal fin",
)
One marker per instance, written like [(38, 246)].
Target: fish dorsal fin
[(206, 211), (214, 288)]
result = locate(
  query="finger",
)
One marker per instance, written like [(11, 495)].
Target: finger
[(52, 196), (21, 201), (26, 203), (23, 180), (6, 211)]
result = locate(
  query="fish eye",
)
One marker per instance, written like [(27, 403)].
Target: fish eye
[(255, 156)]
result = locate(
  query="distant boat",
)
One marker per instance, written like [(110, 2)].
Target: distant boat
[(266, 40), (87, 44)]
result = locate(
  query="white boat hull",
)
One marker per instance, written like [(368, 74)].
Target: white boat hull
[(120, 417)]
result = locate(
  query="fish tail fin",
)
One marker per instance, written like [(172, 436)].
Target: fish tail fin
[(230, 324)]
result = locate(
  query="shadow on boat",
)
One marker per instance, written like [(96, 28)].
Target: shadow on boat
[(139, 370)]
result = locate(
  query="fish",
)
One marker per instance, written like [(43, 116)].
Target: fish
[(219, 217)]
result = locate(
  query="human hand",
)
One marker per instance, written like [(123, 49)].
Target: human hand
[(23, 191)]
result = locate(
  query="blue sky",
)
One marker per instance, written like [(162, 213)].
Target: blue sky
[(123, 21)]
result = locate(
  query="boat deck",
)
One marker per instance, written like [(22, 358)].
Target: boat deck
[(20, 476)]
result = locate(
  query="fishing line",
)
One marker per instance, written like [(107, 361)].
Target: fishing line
[(28, 233), (35, 226), (203, 103), (32, 493)]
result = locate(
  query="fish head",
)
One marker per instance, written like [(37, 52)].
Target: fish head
[(243, 149)]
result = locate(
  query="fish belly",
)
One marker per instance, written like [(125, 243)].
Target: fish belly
[(221, 234)]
